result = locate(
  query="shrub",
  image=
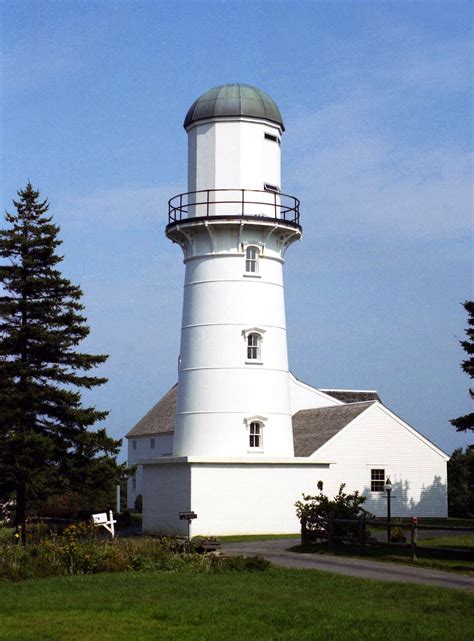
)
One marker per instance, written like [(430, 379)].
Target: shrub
[(314, 512), (80, 550)]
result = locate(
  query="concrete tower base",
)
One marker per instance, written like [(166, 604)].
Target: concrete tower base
[(229, 496)]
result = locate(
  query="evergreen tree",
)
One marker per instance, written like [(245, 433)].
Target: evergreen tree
[(45, 447), (461, 483), (466, 422)]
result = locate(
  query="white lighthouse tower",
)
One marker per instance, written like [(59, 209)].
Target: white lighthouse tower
[(234, 226), (232, 446)]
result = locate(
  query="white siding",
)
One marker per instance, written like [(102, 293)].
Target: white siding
[(378, 439)]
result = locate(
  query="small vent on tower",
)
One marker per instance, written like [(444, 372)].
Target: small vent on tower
[(272, 138), (273, 188)]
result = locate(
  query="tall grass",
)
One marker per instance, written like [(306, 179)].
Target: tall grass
[(80, 551)]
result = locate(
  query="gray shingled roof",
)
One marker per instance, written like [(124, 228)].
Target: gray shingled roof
[(233, 100), (351, 396), (160, 419), (312, 428)]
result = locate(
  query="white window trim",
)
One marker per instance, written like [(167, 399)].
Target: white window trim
[(385, 474), (259, 246), (260, 332), (255, 419)]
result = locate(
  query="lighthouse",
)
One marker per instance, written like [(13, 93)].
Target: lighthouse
[(238, 439), (234, 226)]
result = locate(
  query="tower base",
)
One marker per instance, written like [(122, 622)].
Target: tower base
[(229, 496)]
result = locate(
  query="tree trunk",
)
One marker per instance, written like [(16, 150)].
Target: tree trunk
[(20, 513)]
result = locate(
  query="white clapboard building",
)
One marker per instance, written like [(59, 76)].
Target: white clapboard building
[(240, 438)]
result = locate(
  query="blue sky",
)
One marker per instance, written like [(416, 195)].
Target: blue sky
[(377, 102)]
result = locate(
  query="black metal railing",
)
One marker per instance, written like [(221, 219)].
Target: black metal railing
[(234, 202)]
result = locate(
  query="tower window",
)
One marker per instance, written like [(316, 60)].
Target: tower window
[(152, 443), (253, 347), (255, 435), (134, 445), (377, 480), (251, 259)]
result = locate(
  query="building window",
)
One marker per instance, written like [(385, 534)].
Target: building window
[(251, 259), (134, 445), (377, 480), (253, 347), (255, 435), (134, 482), (152, 443)]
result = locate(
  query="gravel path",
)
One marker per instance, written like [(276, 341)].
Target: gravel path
[(276, 551)]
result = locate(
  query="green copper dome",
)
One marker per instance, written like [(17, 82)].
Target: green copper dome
[(234, 100)]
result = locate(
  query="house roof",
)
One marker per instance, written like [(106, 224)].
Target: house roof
[(352, 396), (160, 419), (312, 428)]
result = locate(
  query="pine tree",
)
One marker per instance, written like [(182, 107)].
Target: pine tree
[(466, 422), (45, 446)]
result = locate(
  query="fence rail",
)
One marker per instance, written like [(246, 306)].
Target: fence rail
[(327, 528)]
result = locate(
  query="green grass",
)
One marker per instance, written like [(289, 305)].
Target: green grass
[(6, 533), (449, 560), (458, 542), (237, 538), (276, 605)]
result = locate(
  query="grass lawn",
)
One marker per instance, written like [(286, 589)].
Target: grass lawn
[(237, 538), (448, 560), (276, 605)]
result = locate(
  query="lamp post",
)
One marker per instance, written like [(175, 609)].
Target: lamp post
[(388, 489)]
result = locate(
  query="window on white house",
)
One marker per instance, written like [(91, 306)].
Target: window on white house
[(377, 480), (253, 347), (152, 443), (134, 445), (134, 482), (251, 259), (255, 435)]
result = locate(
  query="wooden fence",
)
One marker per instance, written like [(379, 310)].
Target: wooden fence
[(358, 532)]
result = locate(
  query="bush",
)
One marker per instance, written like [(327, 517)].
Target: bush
[(314, 512), (81, 550)]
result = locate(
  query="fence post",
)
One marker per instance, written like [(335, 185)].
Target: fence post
[(414, 529), (362, 518), (330, 529)]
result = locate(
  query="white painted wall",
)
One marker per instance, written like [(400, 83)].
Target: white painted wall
[(305, 397), (229, 498), (233, 153), (218, 388), (141, 451), (166, 492), (379, 439)]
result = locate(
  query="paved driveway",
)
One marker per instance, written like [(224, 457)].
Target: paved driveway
[(276, 551)]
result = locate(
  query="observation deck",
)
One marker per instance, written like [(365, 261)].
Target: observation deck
[(233, 205)]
